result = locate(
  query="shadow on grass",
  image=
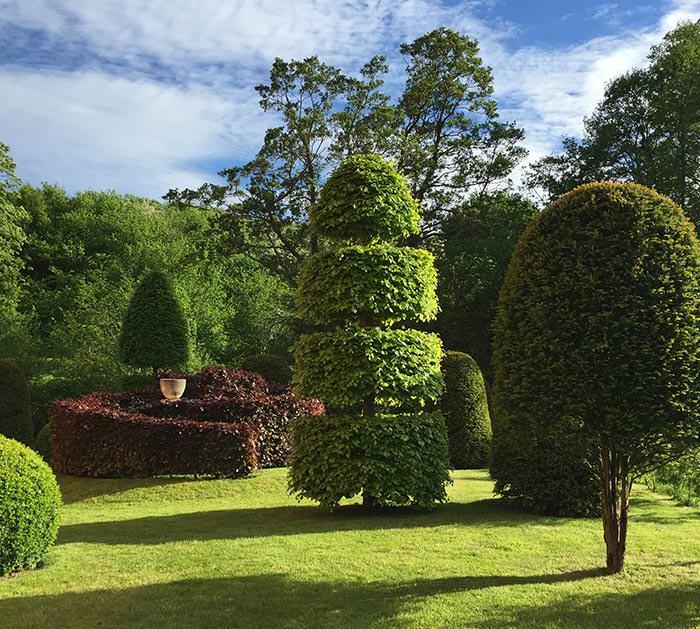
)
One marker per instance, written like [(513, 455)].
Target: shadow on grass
[(290, 520), (278, 601), (77, 488)]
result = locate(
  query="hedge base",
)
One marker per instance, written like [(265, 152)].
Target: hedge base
[(398, 460)]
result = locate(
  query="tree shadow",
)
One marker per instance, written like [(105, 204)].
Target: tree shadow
[(290, 520), (276, 600), (77, 488)]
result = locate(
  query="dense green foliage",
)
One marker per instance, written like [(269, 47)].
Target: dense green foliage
[(400, 368), (598, 344), (270, 366), (154, 332), (15, 412), (443, 132), (42, 442), (361, 366), (476, 242), (466, 411), (30, 503), (367, 200), (384, 282), (680, 479), (397, 459), (644, 130)]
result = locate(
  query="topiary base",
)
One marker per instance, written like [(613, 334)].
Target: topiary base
[(398, 460)]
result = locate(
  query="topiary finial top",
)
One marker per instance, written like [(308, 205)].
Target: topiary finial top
[(368, 199)]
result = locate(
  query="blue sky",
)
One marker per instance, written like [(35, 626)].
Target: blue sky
[(145, 95)]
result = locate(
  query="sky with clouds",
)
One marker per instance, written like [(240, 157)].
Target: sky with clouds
[(146, 95)]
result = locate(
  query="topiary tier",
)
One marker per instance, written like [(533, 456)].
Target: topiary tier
[(377, 379), (229, 423)]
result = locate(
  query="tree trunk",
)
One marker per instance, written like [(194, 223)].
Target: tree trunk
[(614, 473)]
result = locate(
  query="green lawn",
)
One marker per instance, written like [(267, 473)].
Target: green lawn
[(241, 553)]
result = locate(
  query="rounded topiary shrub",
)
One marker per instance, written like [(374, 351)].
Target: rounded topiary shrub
[(270, 366), (15, 410), (42, 442), (30, 503), (466, 411)]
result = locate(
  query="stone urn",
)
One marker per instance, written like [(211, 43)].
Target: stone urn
[(172, 388)]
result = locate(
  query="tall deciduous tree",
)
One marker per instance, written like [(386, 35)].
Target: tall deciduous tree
[(443, 131), (598, 335), (646, 129)]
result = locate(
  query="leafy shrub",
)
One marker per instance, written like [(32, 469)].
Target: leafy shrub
[(399, 367), (397, 459), (42, 442), (365, 197), (387, 282), (15, 412), (154, 331), (466, 411), (271, 367), (93, 436), (30, 503), (679, 479)]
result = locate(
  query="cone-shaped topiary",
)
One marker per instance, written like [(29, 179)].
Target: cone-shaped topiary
[(367, 372), (15, 410), (154, 331), (466, 411), (597, 350), (30, 504)]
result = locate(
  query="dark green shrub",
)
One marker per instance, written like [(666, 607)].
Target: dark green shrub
[(154, 331), (362, 286), (466, 411), (271, 367), (15, 410), (30, 503), (397, 459), (597, 349), (42, 442)]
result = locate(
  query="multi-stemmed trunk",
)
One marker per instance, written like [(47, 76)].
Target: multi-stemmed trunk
[(616, 484)]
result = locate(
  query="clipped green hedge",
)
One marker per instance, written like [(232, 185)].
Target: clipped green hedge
[(397, 459), (15, 410), (365, 198), (270, 366), (341, 367), (466, 411), (387, 282), (30, 504)]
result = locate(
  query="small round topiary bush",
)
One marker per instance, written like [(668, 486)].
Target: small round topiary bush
[(271, 367), (30, 504), (15, 411), (42, 442), (466, 411)]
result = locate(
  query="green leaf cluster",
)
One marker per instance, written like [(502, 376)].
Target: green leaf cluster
[(597, 344), (466, 411), (387, 283), (398, 459), (365, 198), (30, 504), (400, 367), (15, 410), (154, 332)]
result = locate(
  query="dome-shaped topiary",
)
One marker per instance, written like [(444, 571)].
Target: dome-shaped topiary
[(597, 351), (30, 504), (42, 442), (15, 411), (270, 366), (466, 411), (154, 331), (365, 199)]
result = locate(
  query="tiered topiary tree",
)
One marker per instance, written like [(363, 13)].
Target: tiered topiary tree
[(466, 411), (15, 410), (154, 331), (375, 378), (597, 349)]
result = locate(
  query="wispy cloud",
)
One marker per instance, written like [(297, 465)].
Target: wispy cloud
[(146, 95)]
